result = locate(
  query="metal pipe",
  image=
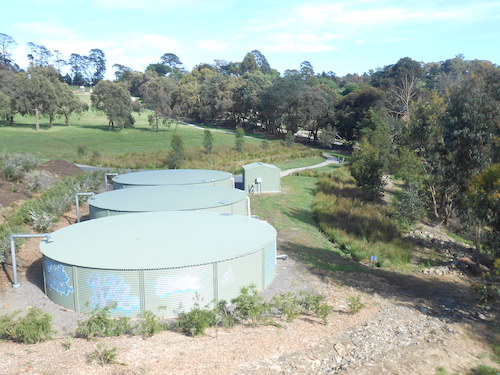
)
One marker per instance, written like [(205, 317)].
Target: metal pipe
[(248, 206), (232, 182), (282, 257), (15, 283), (78, 204), (106, 179)]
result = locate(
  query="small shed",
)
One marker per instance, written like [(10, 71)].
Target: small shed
[(261, 178)]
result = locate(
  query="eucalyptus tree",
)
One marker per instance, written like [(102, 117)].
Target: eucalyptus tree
[(157, 95), (6, 44), (114, 100), (39, 55)]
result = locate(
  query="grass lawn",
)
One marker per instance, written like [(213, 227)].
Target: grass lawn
[(302, 162), (91, 129), (290, 213)]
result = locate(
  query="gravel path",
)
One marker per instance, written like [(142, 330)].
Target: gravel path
[(330, 159)]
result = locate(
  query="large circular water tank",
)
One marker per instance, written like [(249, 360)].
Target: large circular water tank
[(169, 198), (163, 262), (173, 177)]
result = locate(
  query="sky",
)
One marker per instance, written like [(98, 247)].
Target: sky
[(349, 36)]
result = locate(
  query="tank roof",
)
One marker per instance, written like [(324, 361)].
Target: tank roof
[(156, 240), (259, 164), (171, 177), (166, 198)]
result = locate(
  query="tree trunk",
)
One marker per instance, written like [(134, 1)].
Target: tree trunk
[(432, 190), (478, 244), (37, 119)]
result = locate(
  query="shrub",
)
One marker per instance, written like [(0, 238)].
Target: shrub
[(196, 321), (485, 293), (150, 325), (250, 306), (239, 140), (223, 316), (486, 370), (208, 141), (14, 166), (41, 221), (177, 156), (103, 355), (81, 151), (315, 304), (35, 326), (354, 304), (288, 305), (100, 324)]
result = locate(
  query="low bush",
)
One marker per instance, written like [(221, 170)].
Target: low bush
[(101, 324), (102, 355), (354, 304), (150, 325), (42, 221), (250, 306), (196, 321), (15, 166), (35, 326)]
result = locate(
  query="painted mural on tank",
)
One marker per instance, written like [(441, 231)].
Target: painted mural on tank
[(110, 289), (56, 277)]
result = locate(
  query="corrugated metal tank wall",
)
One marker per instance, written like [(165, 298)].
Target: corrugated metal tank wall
[(165, 292)]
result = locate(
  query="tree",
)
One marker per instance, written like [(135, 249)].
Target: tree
[(36, 94), (239, 140), (248, 64), (9, 88), (261, 61), (208, 141), (176, 157), (367, 168), (470, 130), (96, 65), (40, 55), (6, 43), (114, 100), (327, 136), (157, 95), (483, 199)]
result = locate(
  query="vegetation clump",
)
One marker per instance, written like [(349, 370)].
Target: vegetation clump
[(100, 324), (102, 355), (35, 326)]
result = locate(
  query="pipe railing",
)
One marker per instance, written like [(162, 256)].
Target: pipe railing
[(248, 207), (77, 201), (106, 175), (15, 281)]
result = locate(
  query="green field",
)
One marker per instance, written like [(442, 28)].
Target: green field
[(91, 129)]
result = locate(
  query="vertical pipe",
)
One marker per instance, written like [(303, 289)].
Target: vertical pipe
[(15, 281), (106, 175), (248, 206), (232, 182), (78, 204)]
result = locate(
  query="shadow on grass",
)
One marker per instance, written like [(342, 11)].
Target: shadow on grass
[(435, 297)]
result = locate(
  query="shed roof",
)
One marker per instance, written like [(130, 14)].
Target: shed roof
[(258, 165), (171, 177), (156, 240), (167, 198)]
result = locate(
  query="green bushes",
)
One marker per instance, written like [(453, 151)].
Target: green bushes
[(100, 324), (34, 327), (44, 212), (250, 308), (359, 228), (15, 166)]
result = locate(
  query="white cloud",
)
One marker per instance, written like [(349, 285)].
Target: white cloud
[(212, 45)]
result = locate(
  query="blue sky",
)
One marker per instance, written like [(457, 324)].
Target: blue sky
[(349, 36)]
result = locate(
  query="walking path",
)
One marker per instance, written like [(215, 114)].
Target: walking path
[(330, 159)]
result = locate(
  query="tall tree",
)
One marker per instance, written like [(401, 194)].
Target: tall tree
[(6, 43), (157, 95), (97, 65), (177, 155), (36, 93), (261, 61), (40, 55), (114, 100)]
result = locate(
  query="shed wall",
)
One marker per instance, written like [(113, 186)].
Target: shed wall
[(270, 178)]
